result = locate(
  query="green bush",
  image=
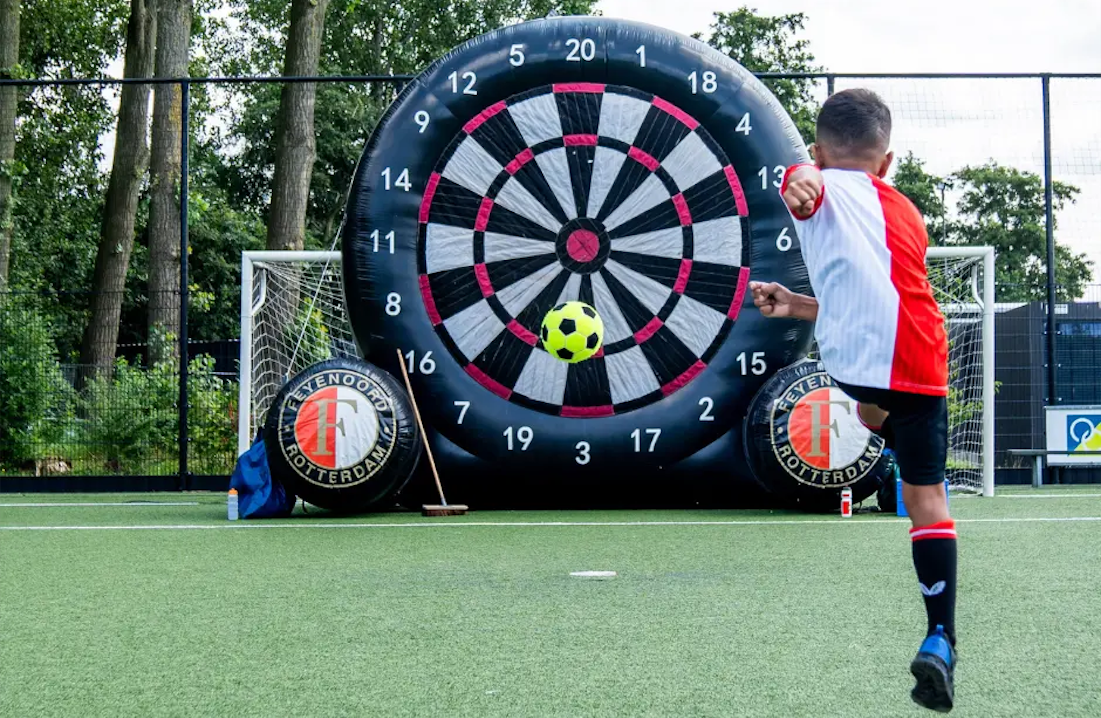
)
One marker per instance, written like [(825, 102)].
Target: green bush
[(131, 422), (212, 419), (130, 418), (35, 399)]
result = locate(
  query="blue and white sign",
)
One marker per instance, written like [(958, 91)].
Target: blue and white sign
[(1074, 429)]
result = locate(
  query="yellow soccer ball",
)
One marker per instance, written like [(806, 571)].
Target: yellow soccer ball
[(572, 332)]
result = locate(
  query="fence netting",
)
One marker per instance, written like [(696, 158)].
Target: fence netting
[(970, 149)]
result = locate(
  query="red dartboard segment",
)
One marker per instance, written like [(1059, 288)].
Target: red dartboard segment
[(501, 242)]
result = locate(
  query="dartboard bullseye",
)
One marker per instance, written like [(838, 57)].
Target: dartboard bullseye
[(517, 175), (588, 192)]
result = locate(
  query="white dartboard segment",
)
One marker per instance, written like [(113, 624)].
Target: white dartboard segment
[(500, 247), (472, 167), (668, 243), (448, 247), (556, 169), (474, 328), (621, 117), (537, 119)]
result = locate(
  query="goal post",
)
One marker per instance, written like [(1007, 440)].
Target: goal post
[(293, 315), (963, 284)]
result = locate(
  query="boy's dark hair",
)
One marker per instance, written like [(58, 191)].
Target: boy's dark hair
[(855, 122)]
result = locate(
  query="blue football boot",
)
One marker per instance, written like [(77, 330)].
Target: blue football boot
[(934, 668)]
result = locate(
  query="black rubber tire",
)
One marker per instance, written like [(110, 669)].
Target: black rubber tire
[(383, 461), (690, 418), (812, 477)]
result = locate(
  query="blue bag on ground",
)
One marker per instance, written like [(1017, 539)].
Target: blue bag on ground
[(258, 496)]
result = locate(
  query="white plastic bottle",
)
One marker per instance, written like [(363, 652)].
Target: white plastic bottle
[(233, 516)]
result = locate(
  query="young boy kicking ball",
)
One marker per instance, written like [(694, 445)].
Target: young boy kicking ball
[(881, 338)]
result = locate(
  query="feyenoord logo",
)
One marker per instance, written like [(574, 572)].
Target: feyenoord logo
[(336, 429), (817, 436)]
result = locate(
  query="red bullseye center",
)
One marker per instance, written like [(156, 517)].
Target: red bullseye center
[(583, 245)]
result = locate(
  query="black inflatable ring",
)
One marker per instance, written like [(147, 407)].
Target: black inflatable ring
[(805, 443), (576, 158), (341, 435)]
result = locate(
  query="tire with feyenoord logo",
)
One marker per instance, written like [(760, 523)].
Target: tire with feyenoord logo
[(805, 443), (341, 435), (576, 159)]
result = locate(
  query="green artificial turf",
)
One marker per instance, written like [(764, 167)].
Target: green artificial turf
[(762, 614)]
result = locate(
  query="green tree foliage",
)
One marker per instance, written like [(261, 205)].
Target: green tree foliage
[(763, 43), (1002, 207), (362, 37), (60, 185), (35, 399)]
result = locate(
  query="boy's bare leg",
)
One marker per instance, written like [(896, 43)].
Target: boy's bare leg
[(871, 415), (927, 505)]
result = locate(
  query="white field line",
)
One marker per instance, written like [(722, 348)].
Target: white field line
[(97, 503), (525, 524), (1050, 496)]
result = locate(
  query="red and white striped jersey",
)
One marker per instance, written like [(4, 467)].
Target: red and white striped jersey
[(878, 323)]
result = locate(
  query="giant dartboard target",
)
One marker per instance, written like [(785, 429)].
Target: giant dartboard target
[(581, 159)]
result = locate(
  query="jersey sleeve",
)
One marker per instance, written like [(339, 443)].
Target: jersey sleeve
[(784, 187)]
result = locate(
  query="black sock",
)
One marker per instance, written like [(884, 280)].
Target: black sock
[(934, 551)]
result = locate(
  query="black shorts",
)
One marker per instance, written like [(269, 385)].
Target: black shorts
[(917, 430)]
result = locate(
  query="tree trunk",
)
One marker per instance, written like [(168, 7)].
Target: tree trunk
[(173, 42), (9, 98), (131, 160), (295, 146)]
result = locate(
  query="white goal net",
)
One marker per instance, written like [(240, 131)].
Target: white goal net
[(292, 316), (963, 284)]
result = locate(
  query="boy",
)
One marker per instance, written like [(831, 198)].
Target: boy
[(882, 339)]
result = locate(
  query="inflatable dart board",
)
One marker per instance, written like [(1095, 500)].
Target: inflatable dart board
[(805, 442), (576, 158), (341, 435)]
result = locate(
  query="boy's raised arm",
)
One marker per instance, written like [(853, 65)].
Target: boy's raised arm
[(803, 189)]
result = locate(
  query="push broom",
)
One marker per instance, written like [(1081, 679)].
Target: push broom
[(443, 508)]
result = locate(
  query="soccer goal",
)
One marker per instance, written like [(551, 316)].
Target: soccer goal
[(292, 316), (963, 284)]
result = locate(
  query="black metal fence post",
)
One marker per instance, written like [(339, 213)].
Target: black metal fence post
[(1049, 220), (185, 146), (830, 80)]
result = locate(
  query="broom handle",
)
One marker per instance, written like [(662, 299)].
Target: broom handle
[(420, 425)]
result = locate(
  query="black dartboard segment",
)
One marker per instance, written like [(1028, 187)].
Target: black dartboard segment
[(628, 221), (581, 159)]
